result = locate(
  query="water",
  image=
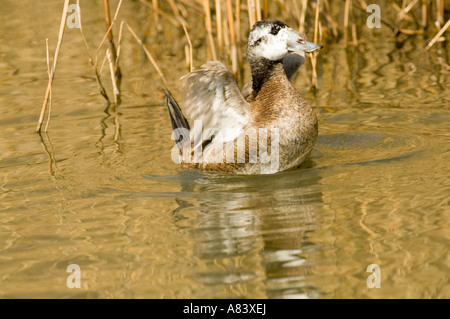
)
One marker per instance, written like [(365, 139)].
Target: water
[(100, 190)]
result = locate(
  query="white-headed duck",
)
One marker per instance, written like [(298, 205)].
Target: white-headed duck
[(267, 128)]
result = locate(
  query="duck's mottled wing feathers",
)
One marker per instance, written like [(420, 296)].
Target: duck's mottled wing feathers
[(211, 95)]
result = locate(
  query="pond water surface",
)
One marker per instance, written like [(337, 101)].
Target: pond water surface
[(100, 190)]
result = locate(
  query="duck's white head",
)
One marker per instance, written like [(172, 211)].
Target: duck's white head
[(273, 40)]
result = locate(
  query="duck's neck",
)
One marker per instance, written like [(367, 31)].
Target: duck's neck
[(262, 70)]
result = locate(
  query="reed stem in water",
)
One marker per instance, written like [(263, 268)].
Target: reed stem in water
[(55, 61), (208, 25), (148, 54)]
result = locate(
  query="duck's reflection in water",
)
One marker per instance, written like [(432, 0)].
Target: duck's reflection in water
[(251, 233)]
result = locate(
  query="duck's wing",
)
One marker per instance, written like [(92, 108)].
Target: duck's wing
[(211, 95)]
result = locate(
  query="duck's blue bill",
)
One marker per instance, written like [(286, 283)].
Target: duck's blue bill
[(297, 42)]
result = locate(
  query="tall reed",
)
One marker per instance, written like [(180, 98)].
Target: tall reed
[(55, 61), (324, 19), (227, 24)]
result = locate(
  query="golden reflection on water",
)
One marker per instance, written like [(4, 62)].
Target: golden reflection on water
[(100, 190)]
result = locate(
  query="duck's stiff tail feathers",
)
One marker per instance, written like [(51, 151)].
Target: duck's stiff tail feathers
[(176, 116)]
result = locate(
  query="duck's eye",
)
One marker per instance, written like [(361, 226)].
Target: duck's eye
[(275, 29), (301, 41)]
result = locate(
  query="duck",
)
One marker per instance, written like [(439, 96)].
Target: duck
[(266, 128)]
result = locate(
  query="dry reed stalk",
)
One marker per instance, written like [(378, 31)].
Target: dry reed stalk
[(438, 35), (411, 32), (302, 16), (316, 22), (320, 32), (176, 11), (161, 13), (266, 9), (354, 34), (346, 19), (288, 12), (117, 74), (49, 72), (258, 10), (112, 45), (331, 23), (156, 15), (108, 31), (94, 67), (197, 7), (55, 61), (400, 15), (113, 52), (313, 55), (440, 12), (103, 64), (296, 12), (148, 54), (363, 4), (190, 57), (234, 57), (403, 11), (113, 77), (208, 25), (251, 12), (119, 41), (186, 55), (424, 14), (238, 21), (219, 26), (182, 9), (411, 5), (226, 36)]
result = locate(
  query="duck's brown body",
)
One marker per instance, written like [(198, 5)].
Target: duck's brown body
[(278, 106)]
